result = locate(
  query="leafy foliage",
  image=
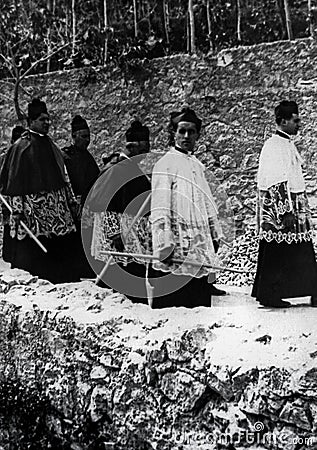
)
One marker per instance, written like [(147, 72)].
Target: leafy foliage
[(31, 29)]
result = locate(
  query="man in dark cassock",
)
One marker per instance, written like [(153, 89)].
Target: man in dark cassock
[(286, 261), (82, 171), (34, 181), (81, 165), (116, 199)]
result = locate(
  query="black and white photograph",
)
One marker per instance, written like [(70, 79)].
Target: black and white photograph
[(158, 219)]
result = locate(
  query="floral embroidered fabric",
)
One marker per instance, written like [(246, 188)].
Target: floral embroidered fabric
[(273, 204), (108, 224), (44, 213)]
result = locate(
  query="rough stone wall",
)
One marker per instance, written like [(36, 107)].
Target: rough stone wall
[(82, 368), (234, 93)]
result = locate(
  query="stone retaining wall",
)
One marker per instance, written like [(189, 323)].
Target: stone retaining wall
[(82, 369)]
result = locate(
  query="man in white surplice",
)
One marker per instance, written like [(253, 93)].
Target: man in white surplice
[(184, 220)]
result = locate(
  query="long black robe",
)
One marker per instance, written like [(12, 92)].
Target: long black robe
[(83, 171), (122, 188), (285, 271)]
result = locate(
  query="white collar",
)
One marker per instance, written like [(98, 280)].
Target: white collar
[(35, 132), (282, 134)]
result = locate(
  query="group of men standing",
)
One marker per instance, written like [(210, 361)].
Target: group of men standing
[(153, 237)]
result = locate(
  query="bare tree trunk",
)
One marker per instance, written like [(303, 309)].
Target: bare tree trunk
[(191, 26), (310, 19), (105, 19), (66, 21), (73, 29), (188, 33), (280, 13), (288, 20), (51, 6), (166, 21), (135, 18), (209, 25), (48, 36), (239, 20)]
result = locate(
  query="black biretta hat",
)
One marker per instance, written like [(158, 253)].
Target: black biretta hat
[(185, 115), (79, 123), (137, 132), (36, 108)]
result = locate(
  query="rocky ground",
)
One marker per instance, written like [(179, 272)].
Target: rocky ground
[(84, 368)]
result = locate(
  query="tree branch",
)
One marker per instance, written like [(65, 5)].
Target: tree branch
[(7, 81), (43, 59)]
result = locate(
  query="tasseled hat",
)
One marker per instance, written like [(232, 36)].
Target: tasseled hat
[(137, 132), (36, 108), (185, 115), (79, 123), (285, 109)]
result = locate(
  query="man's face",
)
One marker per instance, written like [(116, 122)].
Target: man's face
[(291, 126), (186, 136), (41, 124), (81, 139), (138, 148)]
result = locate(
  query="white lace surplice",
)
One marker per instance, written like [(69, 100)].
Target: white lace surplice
[(183, 214)]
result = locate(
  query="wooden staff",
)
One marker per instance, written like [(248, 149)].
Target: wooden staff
[(29, 232), (178, 261), (140, 212)]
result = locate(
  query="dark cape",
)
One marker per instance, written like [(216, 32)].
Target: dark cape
[(32, 164), (121, 188), (82, 170)]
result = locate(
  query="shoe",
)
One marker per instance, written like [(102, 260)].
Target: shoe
[(276, 304), (216, 291), (313, 301)]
